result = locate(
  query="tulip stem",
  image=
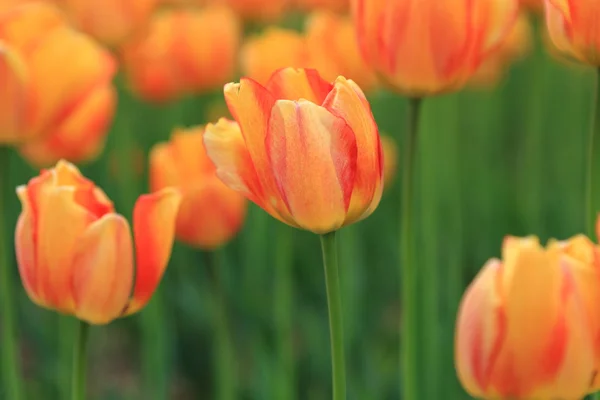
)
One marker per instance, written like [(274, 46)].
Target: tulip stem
[(225, 367), (336, 325), (593, 154), (11, 366), (80, 362), (409, 282)]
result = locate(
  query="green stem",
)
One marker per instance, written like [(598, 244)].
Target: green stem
[(80, 363), (408, 271), (283, 310), (336, 325), (11, 365), (593, 153), (226, 382)]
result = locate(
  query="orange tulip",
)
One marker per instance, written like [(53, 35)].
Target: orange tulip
[(306, 151), (109, 21), (390, 159), (516, 45), (75, 254), (423, 47), (274, 49), (333, 5), (334, 50), (210, 213), (259, 10), (535, 5), (574, 29), (523, 331), (186, 50), (50, 108)]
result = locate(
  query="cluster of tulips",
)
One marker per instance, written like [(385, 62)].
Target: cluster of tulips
[(300, 141)]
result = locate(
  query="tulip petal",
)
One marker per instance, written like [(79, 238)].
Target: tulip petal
[(103, 270), (25, 248), (163, 171), (12, 95), (298, 83), (154, 231), (348, 102), (480, 327), (313, 154), (226, 148)]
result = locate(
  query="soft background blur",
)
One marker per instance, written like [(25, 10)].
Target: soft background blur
[(507, 159)]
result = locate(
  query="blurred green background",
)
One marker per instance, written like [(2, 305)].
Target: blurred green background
[(509, 160)]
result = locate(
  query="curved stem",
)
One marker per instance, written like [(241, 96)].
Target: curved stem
[(11, 366), (226, 382), (80, 363), (336, 326), (408, 272), (592, 157)]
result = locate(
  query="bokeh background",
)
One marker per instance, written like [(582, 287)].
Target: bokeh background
[(504, 158)]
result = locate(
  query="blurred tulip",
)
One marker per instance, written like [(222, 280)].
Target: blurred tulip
[(515, 46), (109, 21), (257, 10), (390, 159), (574, 28), (274, 49), (334, 51), (333, 5), (67, 115), (211, 214), (522, 330), (75, 254), (185, 50), (534, 5), (306, 151), (423, 47)]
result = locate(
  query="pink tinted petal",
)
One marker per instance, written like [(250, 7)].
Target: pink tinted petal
[(296, 84)]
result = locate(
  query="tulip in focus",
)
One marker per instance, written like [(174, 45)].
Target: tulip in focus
[(333, 5), (184, 51), (574, 28), (274, 49), (49, 108), (523, 331), (305, 150), (423, 47), (211, 214), (75, 253), (334, 50), (516, 46), (390, 160), (109, 21)]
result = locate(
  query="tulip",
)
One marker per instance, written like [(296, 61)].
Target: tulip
[(574, 29), (534, 5), (305, 150), (185, 50), (110, 21), (334, 50), (75, 254), (390, 159), (333, 5), (274, 49), (210, 213), (423, 47), (523, 331), (66, 116), (517, 45), (257, 10)]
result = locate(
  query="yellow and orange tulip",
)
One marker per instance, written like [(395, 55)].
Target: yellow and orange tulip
[(523, 329), (183, 51), (211, 214), (109, 21), (67, 115), (306, 151), (274, 49), (423, 47), (334, 51), (574, 29), (75, 254)]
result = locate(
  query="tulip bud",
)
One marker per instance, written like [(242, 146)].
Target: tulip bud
[(184, 51), (75, 254), (423, 47), (210, 213), (523, 331), (306, 151)]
